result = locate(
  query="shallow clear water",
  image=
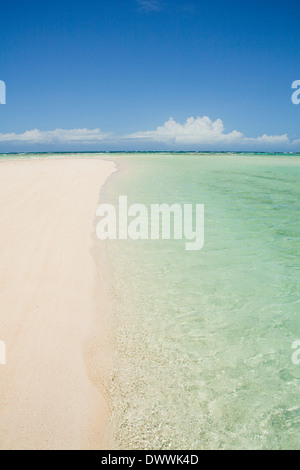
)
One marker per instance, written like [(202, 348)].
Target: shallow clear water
[(203, 339)]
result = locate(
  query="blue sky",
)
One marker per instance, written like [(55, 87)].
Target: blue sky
[(109, 75)]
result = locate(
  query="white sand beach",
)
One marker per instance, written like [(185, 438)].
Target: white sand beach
[(53, 306)]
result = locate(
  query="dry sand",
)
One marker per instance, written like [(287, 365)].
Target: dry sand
[(53, 306)]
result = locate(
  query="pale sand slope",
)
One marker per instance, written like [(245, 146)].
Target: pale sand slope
[(53, 306)]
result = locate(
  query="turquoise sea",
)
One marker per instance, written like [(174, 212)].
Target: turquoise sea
[(203, 340)]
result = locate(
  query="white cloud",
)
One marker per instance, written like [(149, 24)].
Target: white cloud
[(199, 130), (56, 136), (149, 5), (195, 132), (270, 139), (202, 130)]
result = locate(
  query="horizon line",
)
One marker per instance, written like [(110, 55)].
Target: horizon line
[(150, 151)]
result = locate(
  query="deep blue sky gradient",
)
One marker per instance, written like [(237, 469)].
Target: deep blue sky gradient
[(115, 66)]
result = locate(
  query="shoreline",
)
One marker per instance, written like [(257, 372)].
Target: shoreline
[(54, 305)]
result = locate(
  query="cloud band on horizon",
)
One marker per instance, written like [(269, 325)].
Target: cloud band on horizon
[(57, 135), (202, 130), (195, 131)]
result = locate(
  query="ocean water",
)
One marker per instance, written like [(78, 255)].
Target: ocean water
[(203, 340)]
